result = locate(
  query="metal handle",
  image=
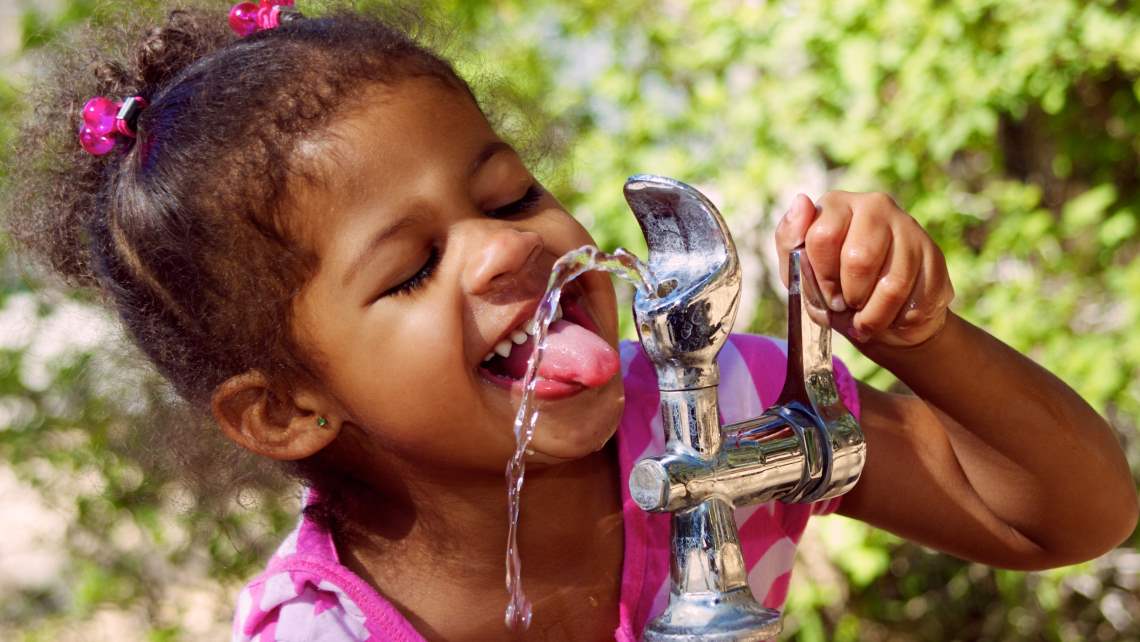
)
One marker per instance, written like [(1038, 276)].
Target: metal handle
[(810, 387)]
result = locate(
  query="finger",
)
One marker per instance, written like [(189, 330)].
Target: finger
[(866, 253), (893, 289), (918, 321), (824, 243), (932, 292), (911, 314), (791, 230)]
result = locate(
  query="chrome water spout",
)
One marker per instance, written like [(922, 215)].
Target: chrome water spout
[(805, 448)]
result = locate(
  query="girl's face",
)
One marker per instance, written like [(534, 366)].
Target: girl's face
[(434, 244)]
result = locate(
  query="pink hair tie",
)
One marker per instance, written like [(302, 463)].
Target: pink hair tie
[(247, 18), (104, 119)]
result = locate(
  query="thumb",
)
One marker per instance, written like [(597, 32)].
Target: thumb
[(792, 230)]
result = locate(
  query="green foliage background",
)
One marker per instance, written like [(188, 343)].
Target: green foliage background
[(1011, 130)]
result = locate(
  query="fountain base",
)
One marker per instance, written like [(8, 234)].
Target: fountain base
[(732, 616)]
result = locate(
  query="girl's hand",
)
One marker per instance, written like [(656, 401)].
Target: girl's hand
[(883, 277)]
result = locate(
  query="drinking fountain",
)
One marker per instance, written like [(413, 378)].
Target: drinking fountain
[(807, 447)]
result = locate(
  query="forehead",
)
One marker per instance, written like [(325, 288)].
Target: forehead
[(390, 143)]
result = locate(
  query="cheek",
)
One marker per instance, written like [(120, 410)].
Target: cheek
[(395, 371), (607, 304), (392, 370), (560, 231), (570, 234), (564, 234)]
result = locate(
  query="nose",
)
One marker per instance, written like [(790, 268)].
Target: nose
[(501, 253)]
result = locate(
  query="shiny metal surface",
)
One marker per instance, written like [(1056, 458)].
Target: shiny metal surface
[(804, 448), (762, 459), (733, 616), (685, 416), (810, 386), (691, 254), (710, 598)]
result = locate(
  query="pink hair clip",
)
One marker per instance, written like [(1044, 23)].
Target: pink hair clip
[(104, 118), (247, 18)]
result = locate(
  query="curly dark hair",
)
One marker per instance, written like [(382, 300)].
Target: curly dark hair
[(183, 230)]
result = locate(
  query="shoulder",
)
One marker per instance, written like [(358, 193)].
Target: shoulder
[(304, 603), (306, 594), (304, 598)]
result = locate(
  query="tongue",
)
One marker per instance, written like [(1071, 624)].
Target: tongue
[(573, 355)]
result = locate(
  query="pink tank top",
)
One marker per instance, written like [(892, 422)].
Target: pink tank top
[(306, 594)]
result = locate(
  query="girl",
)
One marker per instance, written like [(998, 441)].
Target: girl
[(315, 234)]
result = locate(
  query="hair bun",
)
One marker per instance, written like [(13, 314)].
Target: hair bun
[(167, 50)]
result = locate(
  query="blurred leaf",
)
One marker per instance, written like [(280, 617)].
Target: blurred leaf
[(1088, 208), (1008, 129)]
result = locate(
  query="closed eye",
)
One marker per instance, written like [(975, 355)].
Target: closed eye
[(525, 204), (417, 280)]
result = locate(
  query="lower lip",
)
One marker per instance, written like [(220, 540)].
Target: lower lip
[(544, 389)]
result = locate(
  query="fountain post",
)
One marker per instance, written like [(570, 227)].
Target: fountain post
[(805, 448)]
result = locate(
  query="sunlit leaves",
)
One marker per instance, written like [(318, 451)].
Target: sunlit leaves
[(1011, 130)]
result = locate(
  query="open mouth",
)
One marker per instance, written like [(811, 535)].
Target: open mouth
[(575, 358)]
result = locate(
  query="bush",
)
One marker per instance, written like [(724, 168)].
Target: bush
[(1010, 130)]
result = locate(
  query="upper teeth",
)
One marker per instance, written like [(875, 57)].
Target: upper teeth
[(519, 336), (503, 348)]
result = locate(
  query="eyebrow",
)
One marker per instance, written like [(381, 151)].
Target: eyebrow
[(388, 231)]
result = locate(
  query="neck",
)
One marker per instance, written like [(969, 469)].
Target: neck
[(456, 527)]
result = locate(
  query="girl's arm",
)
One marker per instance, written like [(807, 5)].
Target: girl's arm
[(995, 460)]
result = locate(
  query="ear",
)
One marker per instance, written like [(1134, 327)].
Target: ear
[(279, 424)]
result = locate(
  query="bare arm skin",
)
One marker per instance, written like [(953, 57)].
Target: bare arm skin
[(993, 459), (996, 460)]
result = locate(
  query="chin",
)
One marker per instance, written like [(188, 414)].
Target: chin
[(581, 431)]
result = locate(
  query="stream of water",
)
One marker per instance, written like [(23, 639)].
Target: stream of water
[(569, 267)]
